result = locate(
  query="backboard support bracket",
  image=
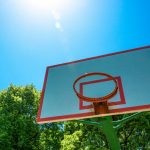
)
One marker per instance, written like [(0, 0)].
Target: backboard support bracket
[(109, 127)]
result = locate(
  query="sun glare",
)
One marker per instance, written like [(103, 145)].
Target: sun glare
[(54, 11), (42, 6)]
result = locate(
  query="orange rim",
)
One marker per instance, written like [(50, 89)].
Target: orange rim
[(98, 99)]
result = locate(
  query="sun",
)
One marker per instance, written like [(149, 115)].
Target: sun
[(39, 10), (42, 6)]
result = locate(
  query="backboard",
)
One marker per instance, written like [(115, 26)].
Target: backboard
[(130, 68)]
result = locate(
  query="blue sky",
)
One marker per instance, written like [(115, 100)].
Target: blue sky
[(39, 33)]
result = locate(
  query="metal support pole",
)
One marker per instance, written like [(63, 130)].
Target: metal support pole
[(109, 127), (110, 133), (106, 125)]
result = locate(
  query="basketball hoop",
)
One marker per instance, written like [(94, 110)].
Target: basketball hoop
[(99, 103)]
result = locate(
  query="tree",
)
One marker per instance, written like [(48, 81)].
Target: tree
[(51, 136), (133, 134), (19, 130), (18, 108), (18, 127), (79, 136)]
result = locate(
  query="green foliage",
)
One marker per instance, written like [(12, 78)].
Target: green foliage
[(19, 130), (72, 142), (79, 136), (18, 127), (18, 107), (51, 136), (135, 133)]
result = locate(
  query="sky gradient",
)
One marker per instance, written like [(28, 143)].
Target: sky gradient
[(39, 33)]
